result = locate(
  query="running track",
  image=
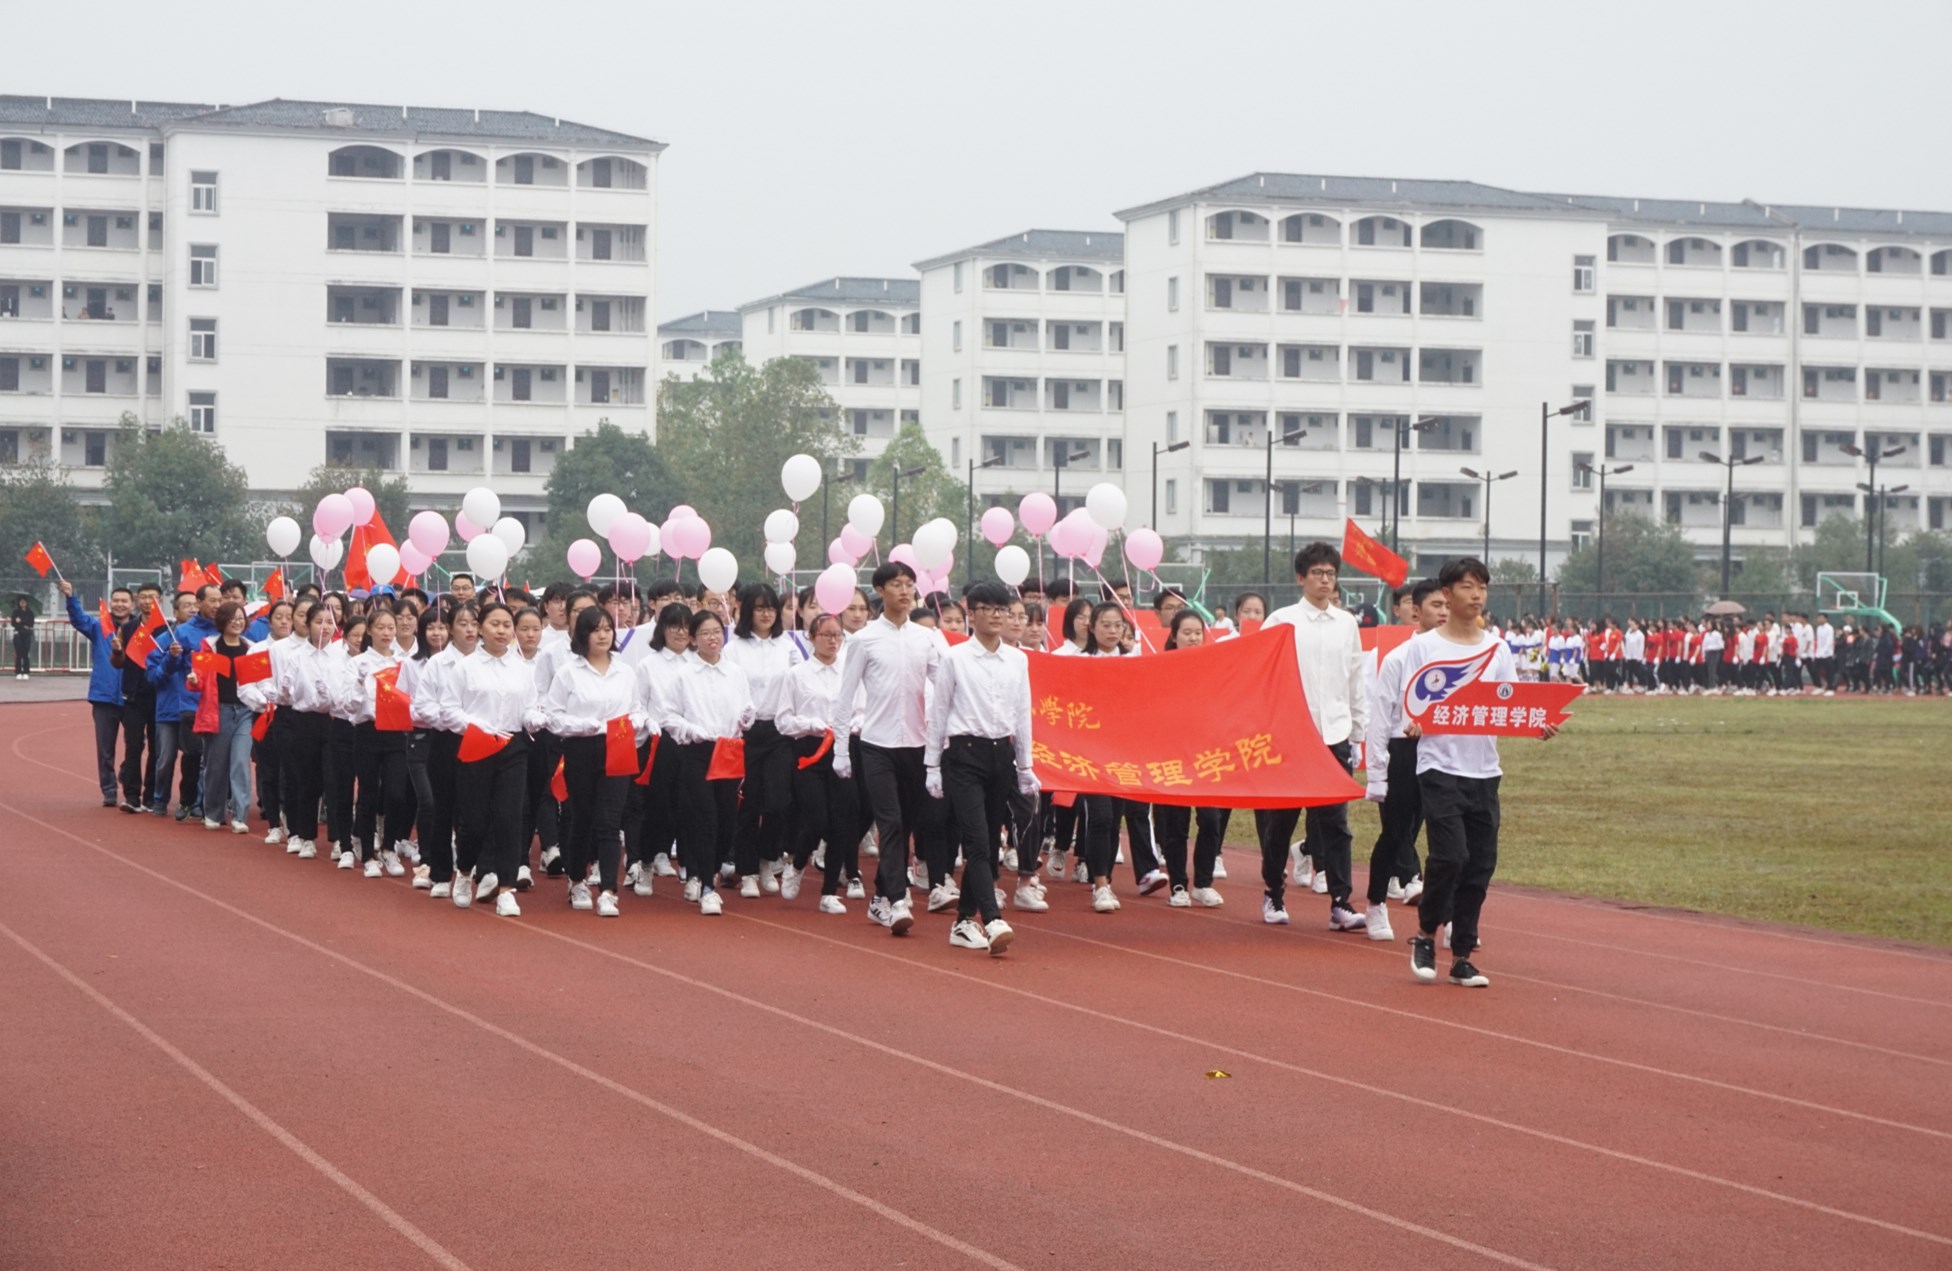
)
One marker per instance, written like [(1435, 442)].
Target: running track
[(221, 1057)]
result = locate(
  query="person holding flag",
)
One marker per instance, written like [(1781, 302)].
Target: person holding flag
[(710, 704), (493, 696), (104, 678), (593, 706), (257, 688), (136, 637), (379, 752), (1393, 780), (830, 810), (304, 693), (168, 667), (429, 685), (227, 757)]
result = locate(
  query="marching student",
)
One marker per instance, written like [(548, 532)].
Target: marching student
[(542, 815), (759, 647), (1824, 673), (828, 805), (1394, 783), (492, 691), (977, 754), (1457, 781), (270, 734), (379, 757), (657, 811), (1328, 648), (710, 702), (592, 689), (1174, 824), (432, 639), (304, 687), (430, 687), (341, 741), (176, 706), (104, 679), (138, 707), (227, 755), (1111, 636)]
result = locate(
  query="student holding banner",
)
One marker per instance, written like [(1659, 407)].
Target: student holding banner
[(1393, 782), (227, 755), (380, 751), (711, 705), (594, 708), (1175, 823), (493, 696), (829, 806)]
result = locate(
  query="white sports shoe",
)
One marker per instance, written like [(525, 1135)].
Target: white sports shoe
[(485, 886), (693, 890), (999, 934), (390, 861), (347, 860), (505, 906), (967, 933), (307, 849), (374, 868), (855, 891), (462, 891), (832, 905), (633, 873), (579, 895), (1273, 913), (900, 917), (710, 905), (239, 827), (1220, 866), (942, 898), (662, 867), (1304, 865), (1395, 889), (789, 883), (1082, 874), (1054, 863), (1377, 920), (523, 878), (440, 891), (1030, 900), (1411, 890), (818, 861), (1320, 885), (1180, 899), (408, 850), (275, 835), (768, 882), (1153, 881), (1102, 899), (1208, 898), (606, 904), (749, 886), (918, 875), (423, 877), (642, 885), (210, 823)]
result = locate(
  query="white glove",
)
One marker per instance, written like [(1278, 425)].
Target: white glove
[(746, 717), (843, 762), (1377, 792), (932, 782), (1027, 782)]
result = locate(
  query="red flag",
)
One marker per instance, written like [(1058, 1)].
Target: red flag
[(1498, 708), (1359, 551), (108, 622), (1240, 735), (477, 745), (392, 709), (207, 663), (650, 761), (263, 723), (826, 744), (620, 748), (213, 575), (139, 647), (274, 586), (364, 539), (252, 667), (37, 557), (728, 760), (155, 621), (189, 575)]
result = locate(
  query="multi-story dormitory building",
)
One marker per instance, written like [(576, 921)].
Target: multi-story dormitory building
[(688, 344), (448, 294)]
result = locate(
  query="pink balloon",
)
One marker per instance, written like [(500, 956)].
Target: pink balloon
[(428, 532), (837, 554), (834, 589), (997, 526), (1145, 549), (856, 542), (1037, 512), (948, 571), (630, 537), (362, 504), (1094, 552), (333, 516), (412, 559), (905, 554), (1062, 538), (585, 557), (681, 511), (698, 536), (464, 529)]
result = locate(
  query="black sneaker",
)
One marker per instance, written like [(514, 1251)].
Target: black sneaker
[(1423, 958), (1463, 973), (181, 812)]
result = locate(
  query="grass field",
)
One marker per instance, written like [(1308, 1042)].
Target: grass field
[(1829, 812)]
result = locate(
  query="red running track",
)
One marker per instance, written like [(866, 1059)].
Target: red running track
[(219, 1056)]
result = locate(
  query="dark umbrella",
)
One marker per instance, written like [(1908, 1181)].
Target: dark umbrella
[(14, 599)]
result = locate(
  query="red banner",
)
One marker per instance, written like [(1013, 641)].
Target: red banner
[(619, 748), (1499, 708), (1223, 725), (728, 760), (252, 667), (477, 745), (1359, 551)]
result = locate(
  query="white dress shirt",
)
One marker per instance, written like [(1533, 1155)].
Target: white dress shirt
[(495, 694), (979, 693), (634, 643), (1826, 640), (342, 681), (430, 688), (261, 694), (582, 700), (708, 700), (807, 707), (766, 664), (895, 664), (305, 677), (365, 688), (1328, 648)]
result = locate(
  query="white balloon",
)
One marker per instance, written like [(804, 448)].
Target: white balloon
[(933, 542), (510, 532), (487, 557), (604, 508), (383, 563), (326, 552), (1105, 503), (1012, 564), (800, 477), (283, 535), (782, 526), (656, 540), (718, 568), (781, 557), (482, 506), (865, 513)]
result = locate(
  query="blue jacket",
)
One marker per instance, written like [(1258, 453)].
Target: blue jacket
[(169, 666), (104, 677)]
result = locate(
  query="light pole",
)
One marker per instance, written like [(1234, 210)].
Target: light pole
[(1872, 455), (1599, 572), (828, 479), (1487, 478), (1728, 503), (1881, 514), (1267, 504), (1059, 462), (1158, 450), (894, 531), (1545, 452), (1395, 517), (969, 529)]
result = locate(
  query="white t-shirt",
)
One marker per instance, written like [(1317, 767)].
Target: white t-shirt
[(1460, 756)]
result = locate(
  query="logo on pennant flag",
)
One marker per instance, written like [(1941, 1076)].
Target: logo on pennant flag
[(1504, 708), (37, 557), (1436, 681)]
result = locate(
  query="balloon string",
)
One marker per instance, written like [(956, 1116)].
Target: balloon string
[(1131, 618)]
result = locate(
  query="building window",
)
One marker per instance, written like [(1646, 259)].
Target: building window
[(203, 265), (1115, 454), (519, 457), (203, 412), (437, 454), (1115, 394), (1582, 534), (1172, 361), (772, 317), (1583, 393), (1172, 427), (1581, 478), (1582, 274), (955, 394), (203, 192), (203, 339), (94, 451), (1172, 228), (955, 272), (1582, 339), (1172, 496), (1172, 295), (955, 336)]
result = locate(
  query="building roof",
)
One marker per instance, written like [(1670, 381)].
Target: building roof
[(707, 322), (894, 292), (1380, 192), (1043, 244), (415, 122), (18, 111)]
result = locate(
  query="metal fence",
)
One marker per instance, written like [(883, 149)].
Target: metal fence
[(1513, 600)]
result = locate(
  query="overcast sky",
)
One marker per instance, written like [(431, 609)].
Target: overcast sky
[(815, 139)]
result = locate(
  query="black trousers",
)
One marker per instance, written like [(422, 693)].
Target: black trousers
[(1098, 833), (892, 778), (436, 815), (139, 742), (1461, 814), (108, 723), (1327, 832), (305, 748), (23, 653), (380, 762), (189, 751), (1025, 835), (269, 755), (341, 772), (488, 797), (541, 814), (708, 813), (827, 810), (1395, 853), (1059, 825), (1174, 824), (1138, 834), (979, 774), (658, 830), (766, 798), (595, 811)]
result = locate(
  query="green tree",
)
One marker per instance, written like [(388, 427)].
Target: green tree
[(172, 493), (1642, 556), (725, 435), (932, 492), (389, 491), (37, 505), (607, 461)]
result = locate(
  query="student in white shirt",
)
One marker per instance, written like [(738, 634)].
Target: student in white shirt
[(305, 687), (273, 780), (542, 816), (341, 749), (828, 807), (1174, 824), (1328, 647), (655, 804), (759, 647), (1457, 780), (710, 701), (380, 758), (1393, 783), (493, 691), (433, 711), (593, 688)]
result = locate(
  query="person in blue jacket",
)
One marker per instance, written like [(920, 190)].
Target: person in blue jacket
[(104, 678), (176, 704)]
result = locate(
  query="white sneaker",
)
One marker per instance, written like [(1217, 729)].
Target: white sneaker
[(462, 890), (1343, 918), (789, 883), (550, 855), (871, 842), (1272, 912), (900, 917), (832, 905), (661, 866), (1118, 857), (768, 882), (727, 872), (1054, 865), (1377, 920), (210, 823), (818, 861), (1444, 943), (693, 889), (579, 895), (632, 874), (307, 849), (408, 850), (710, 905), (1082, 874), (1220, 866), (374, 869), (423, 877), (880, 912), (523, 878), (1102, 899), (918, 875), (347, 860), (1179, 899), (1395, 889), (749, 886), (291, 844), (1030, 900), (1010, 860), (1303, 865), (855, 891), (643, 884), (1411, 890), (239, 827), (606, 904), (1320, 885), (392, 864), (1208, 898), (505, 906), (999, 934), (1153, 881), (440, 891), (485, 885), (968, 934), (998, 893), (942, 898)]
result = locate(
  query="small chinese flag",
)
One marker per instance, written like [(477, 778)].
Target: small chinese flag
[(650, 761), (189, 574), (208, 663), (619, 748), (213, 575), (826, 744), (728, 760), (263, 724), (37, 557), (1371, 557), (274, 586), (155, 621), (108, 623), (392, 709), (559, 784), (139, 647), (477, 745), (252, 667)]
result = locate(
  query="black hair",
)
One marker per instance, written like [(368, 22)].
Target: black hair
[(675, 614), (464, 608), (814, 628), (700, 618), (758, 596), (1456, 571), (1035, 613), (586, 624), (415, 593), (1077, 606), (1032, 587), (1188, 614), (1057, 589), (1407, 589), (987, 592), (1098, 610), (1421, 589), (626, 590), (890, 570), (482, 611), (1165, 592), (1249, 595), (119, 587), (663, 587), (1317, 554), (529, 611), (462, 573), (276, 605), (355, 629), (207, 587), (555, 591)]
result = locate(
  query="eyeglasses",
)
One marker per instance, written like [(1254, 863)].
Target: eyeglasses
[(992, 609), (1323, 572)]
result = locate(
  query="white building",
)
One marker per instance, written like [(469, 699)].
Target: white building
[(1026, 363), (448, 294), (864, 335), (1336, 310), (687, 345)]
